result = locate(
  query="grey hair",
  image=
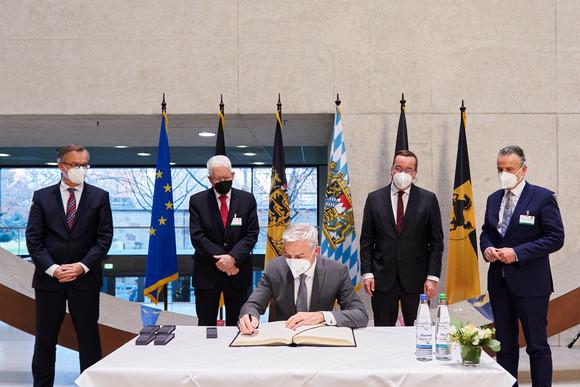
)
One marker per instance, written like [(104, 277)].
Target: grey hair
[(70, 148), (218, 161), (513, 149), (301, 231)]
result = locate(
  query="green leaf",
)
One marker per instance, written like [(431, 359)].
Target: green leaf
[(494, 345)]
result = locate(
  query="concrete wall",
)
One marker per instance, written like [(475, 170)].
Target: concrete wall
[(516, 64)]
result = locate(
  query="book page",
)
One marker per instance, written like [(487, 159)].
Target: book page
[(273, 333), (326, 335)]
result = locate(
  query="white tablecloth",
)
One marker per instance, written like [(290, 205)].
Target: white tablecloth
[(383, 357)]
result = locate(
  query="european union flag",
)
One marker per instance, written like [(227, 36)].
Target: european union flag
[(162, 255)]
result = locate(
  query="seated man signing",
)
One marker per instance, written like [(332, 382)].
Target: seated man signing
[(304, 286)]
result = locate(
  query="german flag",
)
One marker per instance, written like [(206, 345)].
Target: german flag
[(462, 265)]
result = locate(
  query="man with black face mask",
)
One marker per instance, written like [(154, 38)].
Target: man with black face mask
[(224, 228)]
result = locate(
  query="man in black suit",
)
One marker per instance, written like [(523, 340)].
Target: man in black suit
[(69, 232), (324, 281), (401, 244), (224, 228)]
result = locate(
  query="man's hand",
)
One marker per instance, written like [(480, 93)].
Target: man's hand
[(304, 318), (68, 272), (247, 326), (225, 262), (369, 285), (490, 254), (233, 271), (430, 288), (506, 255)]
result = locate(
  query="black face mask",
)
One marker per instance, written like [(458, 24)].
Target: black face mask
[(223, 187)]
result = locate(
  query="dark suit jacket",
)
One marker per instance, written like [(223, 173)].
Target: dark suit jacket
[(530, 275), (414, 253), (209, 237), (331, 283), (50, 241)]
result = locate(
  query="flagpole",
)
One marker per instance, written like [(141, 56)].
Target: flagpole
[(163, 110)]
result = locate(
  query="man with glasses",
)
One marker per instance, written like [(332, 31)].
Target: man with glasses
[(224, 228), (401, 244), (69, 232)]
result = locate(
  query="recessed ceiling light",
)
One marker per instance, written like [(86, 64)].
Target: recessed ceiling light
[(52, 164), (4, 154), (249, 154), (144, 154), (258, 163), (172, 163), (121, 146), (206, 134), (241, 146)]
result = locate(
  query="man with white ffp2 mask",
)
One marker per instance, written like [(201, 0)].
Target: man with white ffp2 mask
[(323, 280), (522, 227), (401, 244)]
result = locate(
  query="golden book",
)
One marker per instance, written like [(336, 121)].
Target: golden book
[(276, 333)]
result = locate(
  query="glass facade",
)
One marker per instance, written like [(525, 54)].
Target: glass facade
[(131, 195)]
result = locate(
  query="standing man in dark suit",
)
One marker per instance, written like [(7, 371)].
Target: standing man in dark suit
[(522, 226), (305, 286), (224, 228), (69, 232), (401, 244)]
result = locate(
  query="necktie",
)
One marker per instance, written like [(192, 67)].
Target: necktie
[(507, 213), (224, 209), (301, 302), (400, 211), (71, 207)]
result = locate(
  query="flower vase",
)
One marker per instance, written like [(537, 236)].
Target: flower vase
[(470, 355)]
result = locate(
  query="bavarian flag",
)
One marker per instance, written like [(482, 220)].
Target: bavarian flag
[(279, 207), (462, 264), (339, 237), (162, 255)]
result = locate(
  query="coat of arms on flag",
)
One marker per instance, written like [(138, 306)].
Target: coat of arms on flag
[(338, 214)]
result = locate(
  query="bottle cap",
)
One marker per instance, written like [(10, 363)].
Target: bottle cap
[(442, 296), (423, 297)]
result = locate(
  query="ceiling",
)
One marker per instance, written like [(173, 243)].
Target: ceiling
[(33, 140)]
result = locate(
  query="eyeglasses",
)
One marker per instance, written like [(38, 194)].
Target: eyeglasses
[(75, 165), (220, 179), (398, 168)]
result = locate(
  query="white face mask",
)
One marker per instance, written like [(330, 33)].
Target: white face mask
[(508, 180), (298, 266), (402, 180), (76, 175)]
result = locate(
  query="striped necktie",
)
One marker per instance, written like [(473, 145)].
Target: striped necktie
[(71, 208)]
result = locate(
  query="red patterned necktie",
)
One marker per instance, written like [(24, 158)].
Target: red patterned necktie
[(400, 211), (224, 209), (71, 207)]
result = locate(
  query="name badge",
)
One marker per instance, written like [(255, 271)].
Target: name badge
[(236, 221), (527, 219)]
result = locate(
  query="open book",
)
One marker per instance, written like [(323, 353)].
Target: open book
[(276, 333)]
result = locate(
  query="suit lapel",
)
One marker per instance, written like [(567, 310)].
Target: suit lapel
[(386, 196), (290, 289), (495, 204), (412, 206), (58, 204), (317, 282), (213, 208), (232, 210), (82, 204)]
